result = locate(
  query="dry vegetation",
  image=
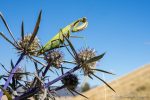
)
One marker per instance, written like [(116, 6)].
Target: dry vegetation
[(134, 86)]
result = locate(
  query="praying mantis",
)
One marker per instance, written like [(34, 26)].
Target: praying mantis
[(58, 39)]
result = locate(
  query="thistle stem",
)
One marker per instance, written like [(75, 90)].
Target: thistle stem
[(46, 69), (12, 74), (61, 77), (35, 90)]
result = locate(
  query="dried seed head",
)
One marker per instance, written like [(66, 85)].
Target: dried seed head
[(18, 74), (23, 43), (85, 55), (55, 57), (70, 81)]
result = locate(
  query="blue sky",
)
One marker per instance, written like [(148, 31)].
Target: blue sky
[(119, 27)]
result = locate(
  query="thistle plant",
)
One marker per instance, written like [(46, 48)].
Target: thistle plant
[(46, 59)]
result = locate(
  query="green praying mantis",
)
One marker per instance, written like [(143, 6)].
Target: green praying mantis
[(58, 39)]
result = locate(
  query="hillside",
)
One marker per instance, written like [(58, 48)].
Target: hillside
[(134, 86)]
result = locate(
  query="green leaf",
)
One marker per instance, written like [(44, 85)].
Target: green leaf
[(6, 93), (95, 58)]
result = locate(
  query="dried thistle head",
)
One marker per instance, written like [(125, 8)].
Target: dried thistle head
[(28, 44), (83, 56), (70, 81), (18, 74), (23, 43), (54, 57)]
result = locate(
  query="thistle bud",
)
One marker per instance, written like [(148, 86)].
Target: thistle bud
[(70, 81)]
